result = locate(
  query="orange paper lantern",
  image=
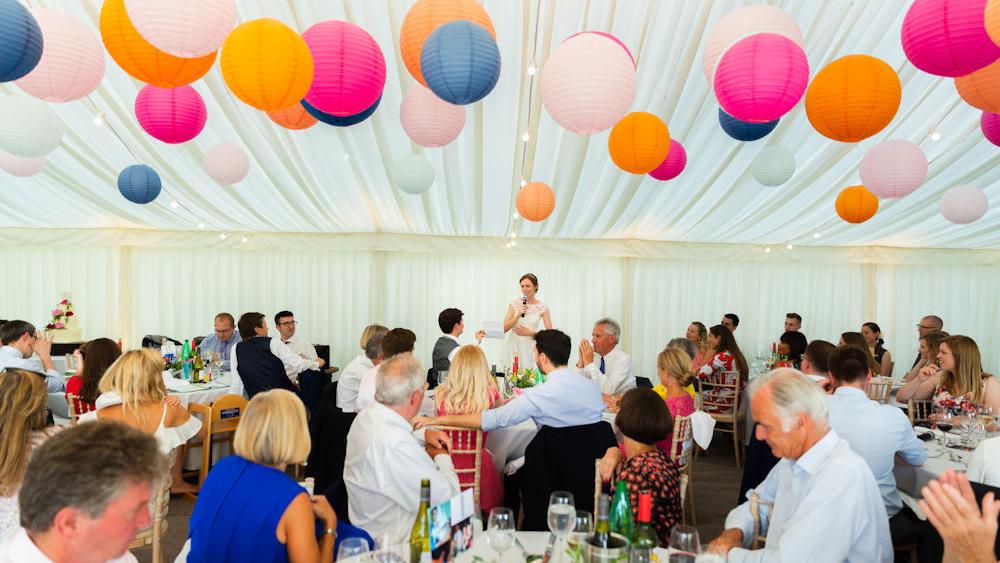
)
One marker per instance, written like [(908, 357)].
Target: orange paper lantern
[(981, 89), (267, 64), (853, 98), (991, 20), (536, 201), (639, 142), (856, 204), (427, 15), (295, 117), (139, 58)]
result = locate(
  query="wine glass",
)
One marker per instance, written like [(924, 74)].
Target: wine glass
[(349, 547), (500, 530), (562, 514), (640, 555), (685, 540), (583, 528)]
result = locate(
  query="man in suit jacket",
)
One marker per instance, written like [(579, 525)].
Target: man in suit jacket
[(452, 325)]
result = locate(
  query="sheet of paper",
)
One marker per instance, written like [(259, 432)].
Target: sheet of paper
[(494, 329)]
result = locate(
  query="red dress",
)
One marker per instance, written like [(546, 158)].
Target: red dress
[(490, 486), (73, 386)]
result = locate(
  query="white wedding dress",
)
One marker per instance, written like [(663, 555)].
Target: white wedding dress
[(524, 346)]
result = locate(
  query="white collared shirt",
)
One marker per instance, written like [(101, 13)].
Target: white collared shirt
[(366, 389), (617, 377), (827, 509), (382, 471), (11, 357), (451, 355), (294, 365), (350, 381), (302, 348), (20, 549)]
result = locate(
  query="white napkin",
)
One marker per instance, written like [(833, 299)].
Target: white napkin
[(702, 426)]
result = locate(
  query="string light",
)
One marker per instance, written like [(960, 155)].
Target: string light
[(523, 183), (789, 246), (347, 156), (526, 137), (201, 225), (222, 236), (513, 243), (513, 235), (532, 69), (244, 238), (816, 234), (99, 119), (174, 204), (515, 216), (767, 250), (935, 135)]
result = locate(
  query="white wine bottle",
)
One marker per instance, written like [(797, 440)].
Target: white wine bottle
[(420, 534)]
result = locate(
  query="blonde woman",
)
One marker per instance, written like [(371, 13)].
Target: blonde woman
[(698, 335), (675, 371), (248, 508), (957, 384), (22, 429), (133, 393), (930, 344)]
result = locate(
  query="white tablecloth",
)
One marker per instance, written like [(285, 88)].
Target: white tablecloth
[(910, 479), (200, 393)]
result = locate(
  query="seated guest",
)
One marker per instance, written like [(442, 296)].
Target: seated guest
[(674, 370), (930, 345), (452, 324), (959, 385), (793, 322), (950, 505), (876, 346), (350, 378), (85, 495), (827, 506), (602, 360), (792, 344), (261, 363), (697, 335), (728, 358), (248, 508), (286, 323), (396, 341), (22, 429), (688, 348), (386, 461), (814, 361), (95, 357), (730, 321), (858, 341), (223, 340), (927, 325), (26, 348)]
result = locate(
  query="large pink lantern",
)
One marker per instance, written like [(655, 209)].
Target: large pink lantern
[(350, 68), (947, 37), (588, 83), (226, 163), (761, 78), (21, 166), (72, 63), (428, 120), (893, 168), (747, 21), (609, 36), (964, 204), (673, 165), (990, 124), (172, 115), (183, 28)]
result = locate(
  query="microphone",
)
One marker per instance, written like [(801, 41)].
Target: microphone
[(524, 301)]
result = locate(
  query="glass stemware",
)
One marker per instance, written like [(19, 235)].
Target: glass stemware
[(685, 540), (562, 515), (349, 547), (500, 530)]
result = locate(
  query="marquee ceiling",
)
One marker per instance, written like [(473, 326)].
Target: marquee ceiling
[(332, 180)]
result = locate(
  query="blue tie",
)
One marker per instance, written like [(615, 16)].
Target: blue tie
[(602, 364)]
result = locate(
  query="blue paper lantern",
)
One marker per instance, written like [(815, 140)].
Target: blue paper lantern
[(139, 183), (744, 131), (20, 41), (460, 62), (341, 120)]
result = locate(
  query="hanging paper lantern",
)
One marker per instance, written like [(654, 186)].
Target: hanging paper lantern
[(991, 20), (72, 63), (20, 41), (893, 168), (964, 204), (350, 68), (639, 142), (744, 130), (428, 120), (761, 77), (425, 17), (295, 117), (587, 83), (742, 23), (266, 64), (183, 28), (139, 58), (673, 165), (20, 166), (460, 62), (990, 124), (413, 174), (344, 121), (981, 89), (172, 115), (226, 163), (139, 183), (853, 98), (856, 204), (536, 201), (773, 166), (30, 126), (609, 36), (947, 37)]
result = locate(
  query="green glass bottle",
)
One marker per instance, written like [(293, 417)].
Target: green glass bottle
[(621, 512), (199, 366), (420, 534), (645, 535)]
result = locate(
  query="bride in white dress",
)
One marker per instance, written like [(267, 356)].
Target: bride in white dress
[(521, 323)]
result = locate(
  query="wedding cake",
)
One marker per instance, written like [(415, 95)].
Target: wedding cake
[(64, 326)]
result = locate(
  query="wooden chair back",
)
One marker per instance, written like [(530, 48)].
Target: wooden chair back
[(759, 537), (879, 390), (467, 457), (680, 446), (77, 406), (220, 420), (720, 395), (919, 410), (153, 535)]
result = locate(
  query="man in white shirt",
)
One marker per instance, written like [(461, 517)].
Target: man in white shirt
[(386, 460), (267, 363), (350, 378), (820, 503), (25, 348), (108, 471), (396, 341), (604, 361), (286, 323)]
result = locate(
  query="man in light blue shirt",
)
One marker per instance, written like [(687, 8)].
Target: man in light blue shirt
[(223, 339), (820, 503), (24, 348)]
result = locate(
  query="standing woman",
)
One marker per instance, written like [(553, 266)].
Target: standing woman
[(876, 346), (523, 316), (698, 334), (856, 340)]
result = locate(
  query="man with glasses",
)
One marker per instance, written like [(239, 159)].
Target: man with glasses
[(927, 325), (285, 321), (223, 339), (25, 348)]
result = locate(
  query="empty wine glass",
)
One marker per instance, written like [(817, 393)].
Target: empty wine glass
[(349, 547), (684, 539), (583, 528), (640, 555), (562, 515), (500, 530)]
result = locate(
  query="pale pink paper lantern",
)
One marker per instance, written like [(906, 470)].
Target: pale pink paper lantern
[(990, 124), (742, 23), (948, 37), (20, 166), (428, 120), (183, 28), (349, 68), (893, 168), (172, 115), (673, 165), (964, 204), (609, 36), (588, 83), (761, 78), (72, 63), (226, 163)]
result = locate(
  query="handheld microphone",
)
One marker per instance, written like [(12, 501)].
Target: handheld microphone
[(524, 301)]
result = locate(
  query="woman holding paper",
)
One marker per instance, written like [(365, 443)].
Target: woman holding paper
[(521, 323)]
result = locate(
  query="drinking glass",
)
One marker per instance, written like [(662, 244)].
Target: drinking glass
[(500, 530), (442, 377), (349, 547), (562, 515), (640, 555), (583, 528), (685, 540)]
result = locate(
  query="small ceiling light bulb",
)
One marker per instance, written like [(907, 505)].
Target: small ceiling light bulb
[(201, 225), (222, 236), (935, 135), (523, 182), (173, 203), (816, 234), (532, 69), (245, 238), (515, 215), (525, 137), (99, 119), (513, 243), (513, 235), (347, 156), (789, 246), (767, 249)]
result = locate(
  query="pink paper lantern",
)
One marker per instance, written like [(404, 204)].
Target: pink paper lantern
[(893, 168), (350, 68), (964, 204), (990, 124), (20, 166), (673, 165), (947, 37), (183, 28), (588, 83), (226, 163), (428, 120), (609, 36), (72, 63), (747, 21), (761, 77), (172, 115)]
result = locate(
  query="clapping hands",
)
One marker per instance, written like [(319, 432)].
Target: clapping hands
[(968, 533)]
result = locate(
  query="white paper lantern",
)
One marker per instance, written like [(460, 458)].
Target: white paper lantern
[(226, 163), (738, 24), (428, 120), (413, 174), (20, 166), (72, 63), (183, 28), (893, 168), (773, 166), (964, 204), (28, 126)]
